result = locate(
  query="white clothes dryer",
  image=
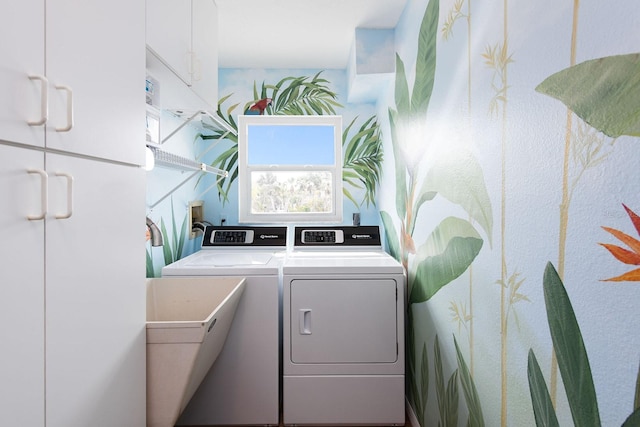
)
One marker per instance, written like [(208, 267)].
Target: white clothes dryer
[(242, 387), (343, 329)]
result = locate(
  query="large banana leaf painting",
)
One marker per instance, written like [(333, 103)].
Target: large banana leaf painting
[(604, 92), (455, 242)]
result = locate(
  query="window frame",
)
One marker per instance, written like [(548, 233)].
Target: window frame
[(245, 215)]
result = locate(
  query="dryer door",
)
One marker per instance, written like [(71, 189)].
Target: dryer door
[(339, 321)]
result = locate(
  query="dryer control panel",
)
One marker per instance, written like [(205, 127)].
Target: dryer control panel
[(367, 236), (323, 236)]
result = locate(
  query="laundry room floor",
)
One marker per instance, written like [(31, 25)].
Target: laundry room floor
[(407, 423)]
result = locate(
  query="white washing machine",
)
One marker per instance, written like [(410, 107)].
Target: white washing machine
[(343, 329), (243, 386)]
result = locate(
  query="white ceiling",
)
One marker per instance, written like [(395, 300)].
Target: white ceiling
[(296, 33)]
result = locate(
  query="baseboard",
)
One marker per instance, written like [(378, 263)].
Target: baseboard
[(412, 420)]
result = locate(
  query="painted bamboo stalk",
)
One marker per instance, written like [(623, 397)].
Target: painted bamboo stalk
[(503, 275), (564, 205)]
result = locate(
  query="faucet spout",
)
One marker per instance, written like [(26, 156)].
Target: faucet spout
[(154, 231)]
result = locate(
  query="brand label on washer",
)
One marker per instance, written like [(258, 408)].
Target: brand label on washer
[(269, 236)]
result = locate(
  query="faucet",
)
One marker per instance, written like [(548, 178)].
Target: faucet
[(156, 235)]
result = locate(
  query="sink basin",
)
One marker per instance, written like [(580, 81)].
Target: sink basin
[(188, 319)]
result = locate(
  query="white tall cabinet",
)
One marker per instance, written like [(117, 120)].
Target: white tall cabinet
[(72, 193)]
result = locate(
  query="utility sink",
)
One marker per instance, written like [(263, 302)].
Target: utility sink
[(188, 319)]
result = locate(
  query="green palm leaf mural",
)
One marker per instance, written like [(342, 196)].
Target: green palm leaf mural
[(290, 96), (447, 395), (476, 419), (393, 242), (400, 167), (573, 363), (173, 245), (422, 395), (636, 400), (300, 96), (633, 420), (446, 254), (453, 245), (603, 92), (362, 160), (462, 183), (572, 355), (543, 409), (362, 166), (426, 60)]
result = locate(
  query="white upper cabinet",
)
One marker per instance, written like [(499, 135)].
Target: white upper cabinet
[(182, 34), (205, 46), (22, 82), (169, 34), (71, 95), (95, 105)]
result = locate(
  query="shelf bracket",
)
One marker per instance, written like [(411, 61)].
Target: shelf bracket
[(163, 158), (220, 123), (173, 189)]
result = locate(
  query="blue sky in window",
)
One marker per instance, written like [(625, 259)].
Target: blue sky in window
[(290, 145)]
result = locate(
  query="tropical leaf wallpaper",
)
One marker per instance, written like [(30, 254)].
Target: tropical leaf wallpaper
[(513, 132), (501, 160)]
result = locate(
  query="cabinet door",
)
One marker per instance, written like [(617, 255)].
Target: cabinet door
[(96, 50), (95, 295), (21, 289), (168, 35), (205, 51), (21, 56)]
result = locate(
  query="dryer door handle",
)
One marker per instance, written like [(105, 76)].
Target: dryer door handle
[(304, 319)]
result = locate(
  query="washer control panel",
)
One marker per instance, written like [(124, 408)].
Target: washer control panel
[(215, 236), (232, 236)]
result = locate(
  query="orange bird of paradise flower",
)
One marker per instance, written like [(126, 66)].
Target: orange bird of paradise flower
[(629, 256)]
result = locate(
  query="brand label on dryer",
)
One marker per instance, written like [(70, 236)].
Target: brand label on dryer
[(362, 236)]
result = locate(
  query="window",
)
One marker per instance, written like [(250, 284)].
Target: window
[(290, 169)]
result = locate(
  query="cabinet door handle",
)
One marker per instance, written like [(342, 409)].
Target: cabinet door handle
[(194, 67), (44, 101), (197, 69), (44, 194), (69, 125), (69, 196), (304, 319)]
